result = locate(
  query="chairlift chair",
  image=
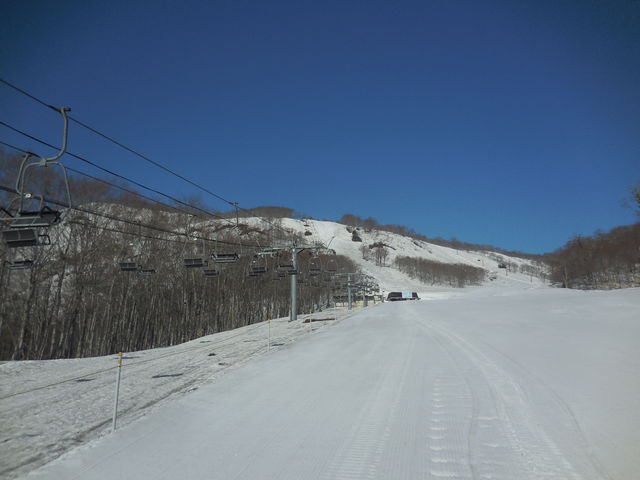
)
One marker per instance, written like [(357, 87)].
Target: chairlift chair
[(225, 257), (331, 266), (258, 266), (24, 225), (128, 266), (285, 264), (314, 267), (20, 264), (195, 262), (25, 237), (287, 268), (42, 218)]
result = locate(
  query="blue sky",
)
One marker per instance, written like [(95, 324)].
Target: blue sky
[(515, 124)]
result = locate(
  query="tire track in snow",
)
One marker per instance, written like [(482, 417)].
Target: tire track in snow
[(559, 412), (509, 443), (363, 449), (451, 412)]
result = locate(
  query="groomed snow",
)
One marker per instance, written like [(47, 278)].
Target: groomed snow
[(486, 383), (49, 407)]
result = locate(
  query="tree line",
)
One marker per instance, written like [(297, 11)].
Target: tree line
[(436, 273), (370, 223), (604, 260)]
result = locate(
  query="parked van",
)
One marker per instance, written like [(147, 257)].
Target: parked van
[(396, 296)]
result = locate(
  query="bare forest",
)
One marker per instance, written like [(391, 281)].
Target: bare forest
[(436, 273), (605, 260), (73, 297)]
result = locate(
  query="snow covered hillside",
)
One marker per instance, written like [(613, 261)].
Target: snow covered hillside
[(337, 237), (483, 383)]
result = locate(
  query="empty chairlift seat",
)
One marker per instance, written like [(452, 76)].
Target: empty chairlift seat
[(128, 266), (225, 257), (210, 272), (195, 262), (27, 237), (43, 218), (257, 267), (20, 264)]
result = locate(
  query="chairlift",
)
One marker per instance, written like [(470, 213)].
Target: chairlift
[(128, 266), (314, 267), (225, 257), (195, 262), (258, 266), (25, 237), (285, 263), (42, 218), (331, 266), (29, 222), (19, 264)]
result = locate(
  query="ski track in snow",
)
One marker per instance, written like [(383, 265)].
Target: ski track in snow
[(398, 391)]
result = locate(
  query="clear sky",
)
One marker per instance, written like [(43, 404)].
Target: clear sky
[(511, 123)]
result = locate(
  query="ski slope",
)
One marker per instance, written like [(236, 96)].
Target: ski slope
[(49, 407), (338, 238), (487, 383)]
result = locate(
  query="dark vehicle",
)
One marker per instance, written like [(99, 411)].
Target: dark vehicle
[(397, 296)]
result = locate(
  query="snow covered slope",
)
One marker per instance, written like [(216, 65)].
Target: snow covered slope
[(50, 406), (338, 238), (500, 383)]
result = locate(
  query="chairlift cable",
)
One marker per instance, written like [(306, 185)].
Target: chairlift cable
[(140, 155), (106, 182), (110, 172), (121, 145), (32, 97), (115, 230)]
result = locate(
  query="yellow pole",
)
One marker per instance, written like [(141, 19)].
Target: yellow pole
[(115, 403)]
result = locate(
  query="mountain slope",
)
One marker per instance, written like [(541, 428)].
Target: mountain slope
[(338, 237)]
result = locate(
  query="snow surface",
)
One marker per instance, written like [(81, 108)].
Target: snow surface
[(48, 407), (483, 383)]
